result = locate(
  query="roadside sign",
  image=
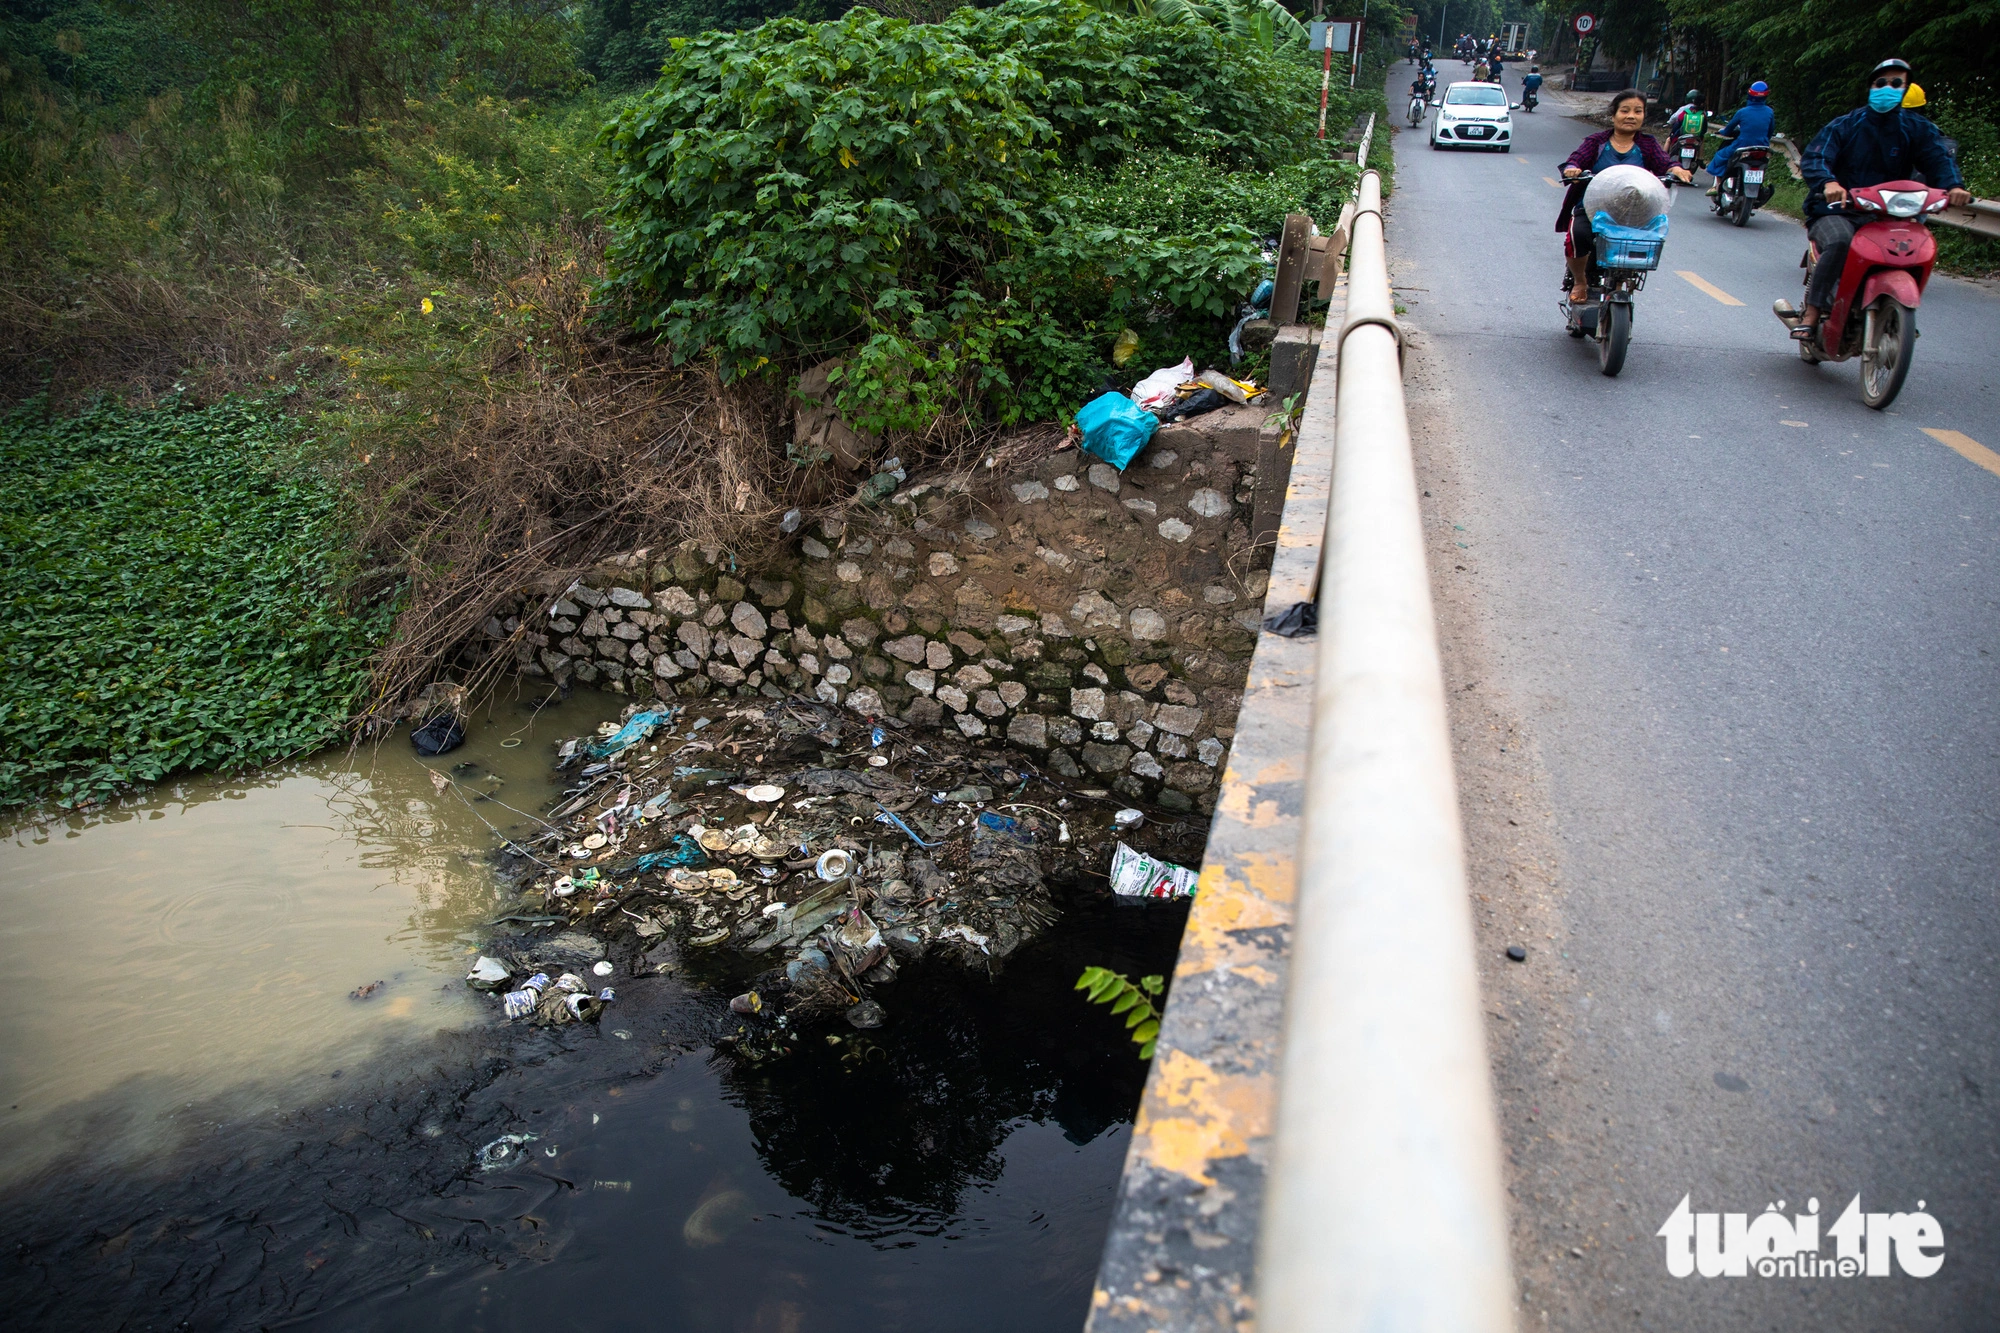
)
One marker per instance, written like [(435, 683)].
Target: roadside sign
[(1334, 34), (1585, 24)]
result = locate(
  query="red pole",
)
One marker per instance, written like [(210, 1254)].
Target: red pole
[(1325, 77)]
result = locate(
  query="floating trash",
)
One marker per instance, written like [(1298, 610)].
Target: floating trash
[(763, 793), (603, 968), (503, 1152), (833, 865), (520, 1003), (595, 841), (488, 974), (718, 1217), (1136, 875)]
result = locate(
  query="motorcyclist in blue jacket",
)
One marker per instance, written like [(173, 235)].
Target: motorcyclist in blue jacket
[(1751, 126), (1867, 146), (1531, 82)]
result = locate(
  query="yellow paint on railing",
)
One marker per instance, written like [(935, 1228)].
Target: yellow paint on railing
[(1199, 1116)]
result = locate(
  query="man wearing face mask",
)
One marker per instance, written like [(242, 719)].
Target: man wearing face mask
[(1867, 146)]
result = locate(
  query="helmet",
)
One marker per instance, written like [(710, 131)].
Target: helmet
[(1696, 97), (1890, 66), (1913, 96), (1759, 88)]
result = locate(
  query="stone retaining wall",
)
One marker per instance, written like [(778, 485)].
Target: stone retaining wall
[(1102, 621)]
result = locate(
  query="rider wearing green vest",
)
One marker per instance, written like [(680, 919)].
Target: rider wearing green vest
[(1691, 119)]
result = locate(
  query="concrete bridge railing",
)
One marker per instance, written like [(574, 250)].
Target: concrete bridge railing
[(1317, 1147)]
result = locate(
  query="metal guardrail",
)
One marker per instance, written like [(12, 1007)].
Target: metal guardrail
[(1981, 216), (1384, 1208)]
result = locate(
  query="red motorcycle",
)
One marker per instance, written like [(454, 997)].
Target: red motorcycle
[(1874, 312)]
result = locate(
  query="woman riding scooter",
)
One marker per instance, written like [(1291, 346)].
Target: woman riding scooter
[(1622, 144)]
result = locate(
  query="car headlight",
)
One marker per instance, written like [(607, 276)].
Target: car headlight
[(1903, 203)]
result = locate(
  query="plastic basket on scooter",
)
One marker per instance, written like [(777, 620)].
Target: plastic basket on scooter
[(1628, 247)]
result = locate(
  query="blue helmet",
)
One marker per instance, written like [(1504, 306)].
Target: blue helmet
[(1759, 88)]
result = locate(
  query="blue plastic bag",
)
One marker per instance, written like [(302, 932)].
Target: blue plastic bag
[(1115, 428), (640, 727), (682, 851)]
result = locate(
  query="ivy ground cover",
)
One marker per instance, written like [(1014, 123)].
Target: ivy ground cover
[(170, 579)]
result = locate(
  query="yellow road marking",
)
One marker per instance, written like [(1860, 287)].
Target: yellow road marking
[(1519, 158), (1965, 445), (1553, 181), (1705, 285)]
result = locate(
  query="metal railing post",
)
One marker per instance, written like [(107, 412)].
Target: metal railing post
[(1384, 1210)]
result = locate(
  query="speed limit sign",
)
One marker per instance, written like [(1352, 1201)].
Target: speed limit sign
[(1584, 24)]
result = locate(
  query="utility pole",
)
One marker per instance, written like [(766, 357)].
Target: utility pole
[(1354, 56), (1441, 13), (1325, 62)]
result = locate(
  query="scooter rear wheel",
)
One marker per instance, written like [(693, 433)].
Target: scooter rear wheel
[(1614, 331), (1743, 209), (1887, 351)]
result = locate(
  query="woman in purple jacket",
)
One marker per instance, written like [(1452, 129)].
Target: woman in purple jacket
[(1621, 145)]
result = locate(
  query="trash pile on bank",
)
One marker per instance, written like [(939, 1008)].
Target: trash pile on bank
[(826, 850)]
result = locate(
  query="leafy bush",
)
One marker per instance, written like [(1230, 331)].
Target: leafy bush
[(170, 577), (932, 198), (779, 187), (1172, 194)]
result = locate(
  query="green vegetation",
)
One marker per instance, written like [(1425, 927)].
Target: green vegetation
[(950, 202), (1135, 1001), (375, 232), (172, 579)]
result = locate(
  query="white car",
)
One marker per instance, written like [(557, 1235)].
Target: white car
[(1473, 115)]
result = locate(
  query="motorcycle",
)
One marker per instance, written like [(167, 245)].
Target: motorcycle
[(1874, 311), (1742, 189), (1617, 270), (1417, 104), (1528, 99), (1687, 152)]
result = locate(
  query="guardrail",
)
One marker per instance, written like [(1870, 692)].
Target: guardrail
[(1981, 216), (1383, 1207)]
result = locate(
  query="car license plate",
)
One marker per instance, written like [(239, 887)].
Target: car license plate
[(1753, 176)]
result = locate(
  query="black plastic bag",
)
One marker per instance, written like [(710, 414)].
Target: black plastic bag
[(1295, 621), (1205, 400), (441, 733)]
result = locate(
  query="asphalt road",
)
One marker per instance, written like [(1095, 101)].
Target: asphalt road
[(1724, 659)]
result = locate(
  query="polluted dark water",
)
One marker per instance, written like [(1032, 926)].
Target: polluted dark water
[(953, 1169)]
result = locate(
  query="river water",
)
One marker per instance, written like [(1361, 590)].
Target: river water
[(206, 1128)]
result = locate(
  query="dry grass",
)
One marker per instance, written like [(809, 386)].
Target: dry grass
[(514, 463), (574, 449), (136, 331)]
